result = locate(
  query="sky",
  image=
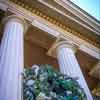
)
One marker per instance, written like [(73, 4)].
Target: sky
[(90, 6)]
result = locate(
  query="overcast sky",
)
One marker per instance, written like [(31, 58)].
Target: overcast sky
[(91, 6)]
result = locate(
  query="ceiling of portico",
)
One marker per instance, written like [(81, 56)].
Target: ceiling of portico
[(39, 37)]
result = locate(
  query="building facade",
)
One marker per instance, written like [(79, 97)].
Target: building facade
[(44, 31)]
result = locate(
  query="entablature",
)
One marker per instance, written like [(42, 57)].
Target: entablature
[(70, 20), (54, 27)]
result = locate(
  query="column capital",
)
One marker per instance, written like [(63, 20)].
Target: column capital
[(59, 45), (16, 18), (66, 44)]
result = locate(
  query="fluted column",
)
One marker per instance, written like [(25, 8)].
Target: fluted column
[(69, 65), (11, 58)]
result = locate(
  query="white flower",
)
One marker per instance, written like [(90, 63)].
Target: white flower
[(53, 94), (36, 68), (69, 92), (42, 96), (30, 82), (27, 92)]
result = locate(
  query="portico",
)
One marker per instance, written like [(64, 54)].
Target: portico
[(59, 45)]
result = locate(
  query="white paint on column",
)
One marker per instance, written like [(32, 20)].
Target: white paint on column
[(69, 66), (11, 61)]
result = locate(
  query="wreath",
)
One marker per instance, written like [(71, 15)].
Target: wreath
[(44, 83)]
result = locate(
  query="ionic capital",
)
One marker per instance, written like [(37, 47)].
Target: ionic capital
[(16, 18), (66, 44), (59, 45)]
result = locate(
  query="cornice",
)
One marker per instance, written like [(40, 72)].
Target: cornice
[(54, 21), (68, 12), (77, 11)]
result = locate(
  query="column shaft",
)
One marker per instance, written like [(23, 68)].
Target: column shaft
[(11, 61), (69, 66)]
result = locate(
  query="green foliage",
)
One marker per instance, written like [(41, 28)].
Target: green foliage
[(45, 83)]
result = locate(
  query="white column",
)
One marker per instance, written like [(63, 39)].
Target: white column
[(11, 59), (69, 65)]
